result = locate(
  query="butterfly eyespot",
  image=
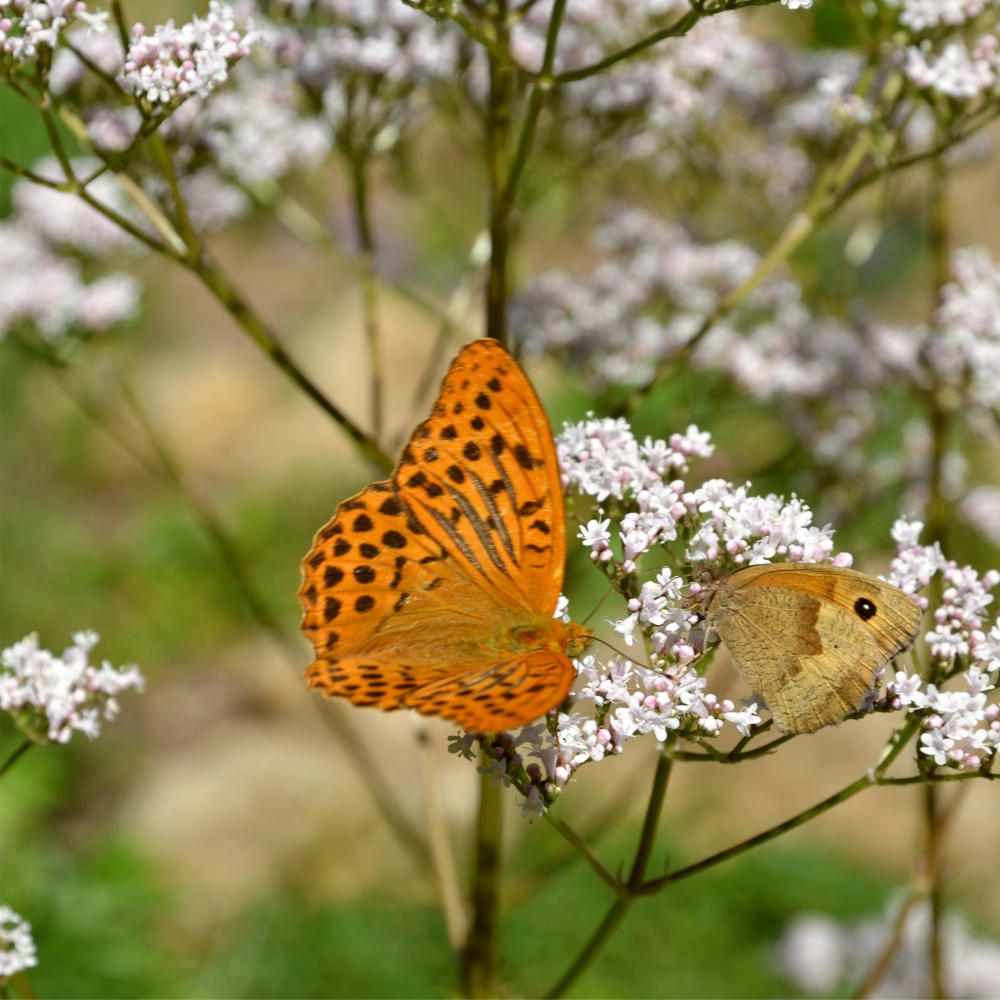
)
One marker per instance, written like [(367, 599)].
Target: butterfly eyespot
[(448, 433), (341, 547), (455, 474), (310, 594), (364, 574), (368, 551), (471, 452), (364, 603), (865, 609), (497, 445), (331, 609), (332, 575), (318, 559), (497, 486), (431, 454), (362, 524), (483, 401), (477, 423), (494, 385)]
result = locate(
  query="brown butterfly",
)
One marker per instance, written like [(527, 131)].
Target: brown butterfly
[(810, 637)]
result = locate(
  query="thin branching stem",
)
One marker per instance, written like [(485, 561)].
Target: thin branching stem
[(219, 285), (478, 955), (369, 286), (630, 889), (583, 848), (16, 756)]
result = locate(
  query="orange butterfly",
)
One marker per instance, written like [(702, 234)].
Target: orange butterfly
[(435, 589)]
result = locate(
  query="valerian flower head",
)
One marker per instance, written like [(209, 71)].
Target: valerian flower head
[(172, 64), (50, 697), (17, 947), (26, 27)]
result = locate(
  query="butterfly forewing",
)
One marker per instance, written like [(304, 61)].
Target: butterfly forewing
[(482, 479), (810, 638), (370, 583)]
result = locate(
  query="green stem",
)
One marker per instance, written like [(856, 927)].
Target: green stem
[(535, 100), (629, 890), (479, 953), (369, 286), (497, 141), (581, 846), (680, 27), (933, 849), (226, 547), (220, 286), (16, 756), (897, 742), (654, 808), (941, 400), (615, 915)]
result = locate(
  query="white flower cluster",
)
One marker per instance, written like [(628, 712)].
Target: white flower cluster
[(254, 131), (611, 320), (17, 947), (26, 26), (656, 107), (173, 63), (959, 70), (921, 15), (51, 697), (964, 350), (46, 286), (723, 527), (962, 728), (369, 64), (819, 955)]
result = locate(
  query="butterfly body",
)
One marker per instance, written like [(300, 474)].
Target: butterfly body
[(810, 638), (435, 589)]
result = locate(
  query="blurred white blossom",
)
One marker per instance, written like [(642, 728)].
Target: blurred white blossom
[(50, 697), (26, 26), (44, 246), (821, 955), (17, 947)]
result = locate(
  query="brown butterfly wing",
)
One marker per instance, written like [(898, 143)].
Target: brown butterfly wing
[(810, 639)]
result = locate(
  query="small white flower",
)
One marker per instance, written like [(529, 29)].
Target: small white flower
[(17, 947), (50, 697)]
